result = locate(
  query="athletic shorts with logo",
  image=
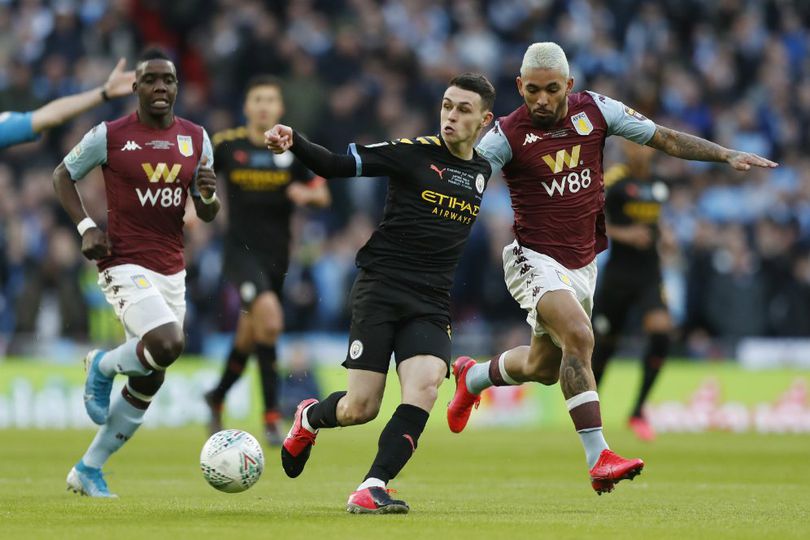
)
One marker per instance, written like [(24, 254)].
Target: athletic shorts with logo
[(391, 317), (529, 275), (144, 299), (253, 272)]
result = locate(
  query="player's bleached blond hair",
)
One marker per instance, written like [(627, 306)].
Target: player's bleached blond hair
[(545, 55)]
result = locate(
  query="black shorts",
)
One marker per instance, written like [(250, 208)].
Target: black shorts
[(253, 272), (619, 293), (391, 317)]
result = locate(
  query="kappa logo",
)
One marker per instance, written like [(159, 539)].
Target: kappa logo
[(563, 158), (530, 138), (439, 171), (130, 146)]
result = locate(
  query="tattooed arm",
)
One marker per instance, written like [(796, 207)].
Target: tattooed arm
[(685, 146)]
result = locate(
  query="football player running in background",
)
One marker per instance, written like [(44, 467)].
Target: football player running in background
[(550, 152), (151, 160), (631, 277), (262, 191), (400, 299), (18, 128)]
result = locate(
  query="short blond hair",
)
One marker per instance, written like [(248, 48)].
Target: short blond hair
[(545, 55)]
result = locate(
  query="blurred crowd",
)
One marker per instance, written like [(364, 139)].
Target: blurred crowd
[(736, 246)]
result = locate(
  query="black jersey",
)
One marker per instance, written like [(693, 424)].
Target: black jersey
[(258, 207), (627, 202), (432, 202)]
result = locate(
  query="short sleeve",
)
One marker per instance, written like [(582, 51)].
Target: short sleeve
[(624, 121), (494, 147), (89, 153), (16, 128), (379, 159)]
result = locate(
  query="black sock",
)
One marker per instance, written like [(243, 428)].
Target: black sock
[(654, 356), (603, 350), (324, 413), (233, 371), (266, 355), (398, 442)]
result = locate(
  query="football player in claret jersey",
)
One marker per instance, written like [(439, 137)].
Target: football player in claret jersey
[(262, 190), (151, 161), (400, 299), (631, 278), (550, 152)]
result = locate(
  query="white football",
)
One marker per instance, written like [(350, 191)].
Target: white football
[(232, 460)]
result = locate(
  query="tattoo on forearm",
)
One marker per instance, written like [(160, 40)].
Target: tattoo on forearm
[(575, 377), (683, 145)]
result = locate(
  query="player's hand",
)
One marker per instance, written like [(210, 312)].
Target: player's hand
[(743, 161), (95, 244), (279, 138), (119, 83), (206, 179)]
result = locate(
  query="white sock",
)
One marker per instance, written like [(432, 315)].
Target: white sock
[(123, 421), (123, 359), (305, 421), (371, 482), (478, 376)]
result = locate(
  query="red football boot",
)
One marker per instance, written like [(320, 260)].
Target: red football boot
[(298, 444), (460, 407), (375, 500), (611, 468)]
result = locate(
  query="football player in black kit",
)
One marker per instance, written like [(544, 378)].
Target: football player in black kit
[(400, 299), (631, 278), (263, 190)]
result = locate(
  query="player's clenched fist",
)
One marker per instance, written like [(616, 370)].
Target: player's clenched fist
[(279, 138), (95, 244), (206, 179)]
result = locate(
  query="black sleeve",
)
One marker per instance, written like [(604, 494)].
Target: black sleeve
[(614, 204), (321, 161)]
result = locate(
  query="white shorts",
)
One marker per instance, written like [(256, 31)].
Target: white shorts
[(143, 299), (529, 275)]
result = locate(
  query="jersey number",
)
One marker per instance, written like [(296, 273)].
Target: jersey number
[(164, 197), (574, 181)]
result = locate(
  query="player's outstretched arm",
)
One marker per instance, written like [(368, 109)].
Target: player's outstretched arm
[(685, 146), (59, 111), (316, 158), (94, 241)]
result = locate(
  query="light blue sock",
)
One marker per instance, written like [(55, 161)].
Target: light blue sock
[(123, 359), (594, 442), (478, 378), (123, 421)]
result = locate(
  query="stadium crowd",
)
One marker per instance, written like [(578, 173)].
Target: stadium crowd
[(736, 248)]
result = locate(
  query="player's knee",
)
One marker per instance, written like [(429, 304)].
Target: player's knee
[(578, 340), (166, 349), (268, 331)]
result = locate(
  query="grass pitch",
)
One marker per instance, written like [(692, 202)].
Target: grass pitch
[(479, 484)]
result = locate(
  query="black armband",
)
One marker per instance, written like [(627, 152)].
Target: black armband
[(321, 161)]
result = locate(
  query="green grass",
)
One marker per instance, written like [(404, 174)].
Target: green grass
[(481, 484)]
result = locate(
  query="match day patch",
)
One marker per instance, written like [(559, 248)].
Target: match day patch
[(582, 123), (141, 282), (634, 113), (356, 349), (184, 145)]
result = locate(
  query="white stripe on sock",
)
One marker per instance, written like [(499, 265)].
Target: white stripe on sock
[(579, 399), (502, 368), (142, 397)]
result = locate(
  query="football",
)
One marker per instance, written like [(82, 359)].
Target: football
[(232, 460)]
